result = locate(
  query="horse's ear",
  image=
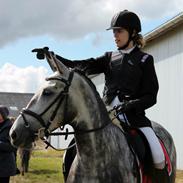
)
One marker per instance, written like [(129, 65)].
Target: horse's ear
[(61, 68), (55, 64)]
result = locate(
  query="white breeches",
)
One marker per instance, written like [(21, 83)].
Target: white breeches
[(155, 146)]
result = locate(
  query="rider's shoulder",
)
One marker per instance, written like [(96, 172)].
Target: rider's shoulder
[(144, 56)]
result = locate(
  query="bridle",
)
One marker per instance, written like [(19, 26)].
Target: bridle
[(59, 100), (45, 132)]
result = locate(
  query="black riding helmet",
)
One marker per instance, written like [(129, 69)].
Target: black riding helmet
[(127, 20)]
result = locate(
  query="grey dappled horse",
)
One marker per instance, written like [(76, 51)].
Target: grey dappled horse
[(68, 97)]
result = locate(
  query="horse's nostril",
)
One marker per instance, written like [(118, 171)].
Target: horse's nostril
[(13, 135)]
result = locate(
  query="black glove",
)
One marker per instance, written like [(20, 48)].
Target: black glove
[(40, 52), (128, 105)]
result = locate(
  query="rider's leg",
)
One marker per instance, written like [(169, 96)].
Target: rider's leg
[(157, 155), (155, 146)]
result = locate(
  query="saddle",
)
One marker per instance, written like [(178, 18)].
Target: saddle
[(140, 148), (135, 138)]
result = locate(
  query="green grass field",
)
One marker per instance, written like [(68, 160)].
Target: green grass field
[(45, 167)]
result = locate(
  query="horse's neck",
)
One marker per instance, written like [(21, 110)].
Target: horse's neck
[(91, 114), (99, 149), (91, 111)]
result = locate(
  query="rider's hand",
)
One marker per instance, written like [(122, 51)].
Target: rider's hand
[(128, 105), (40, 52)]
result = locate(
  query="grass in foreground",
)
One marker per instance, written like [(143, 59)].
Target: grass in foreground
[(45, 167)]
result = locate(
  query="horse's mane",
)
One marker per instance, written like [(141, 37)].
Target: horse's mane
[(95, 92)]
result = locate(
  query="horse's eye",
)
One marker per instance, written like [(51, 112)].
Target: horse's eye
[(47, 92)]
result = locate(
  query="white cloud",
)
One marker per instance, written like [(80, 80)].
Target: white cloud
[(24, 80), (72, 19)]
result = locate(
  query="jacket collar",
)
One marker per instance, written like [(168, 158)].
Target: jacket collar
[(130, 51)]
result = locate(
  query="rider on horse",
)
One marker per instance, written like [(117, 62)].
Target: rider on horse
[(130, 80)]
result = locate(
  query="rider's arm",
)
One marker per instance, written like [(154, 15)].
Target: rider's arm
[(89, 66), (149, 86)]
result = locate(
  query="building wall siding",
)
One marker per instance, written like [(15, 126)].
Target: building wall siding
[(168, 56)]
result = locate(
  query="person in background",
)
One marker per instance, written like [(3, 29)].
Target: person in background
[(7, 157), (12, 119)]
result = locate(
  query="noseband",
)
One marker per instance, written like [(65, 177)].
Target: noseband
[(60, 98)]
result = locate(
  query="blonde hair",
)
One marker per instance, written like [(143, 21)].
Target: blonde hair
[(139, 40)]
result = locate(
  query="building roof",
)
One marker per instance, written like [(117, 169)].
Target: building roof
[(164, 28), (15, 101)]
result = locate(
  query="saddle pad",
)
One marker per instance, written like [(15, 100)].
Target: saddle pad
[(167, 159)]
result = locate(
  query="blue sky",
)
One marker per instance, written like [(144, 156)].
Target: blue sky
[(75, 30), (19, 52)]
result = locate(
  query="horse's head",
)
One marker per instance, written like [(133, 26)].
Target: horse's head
[(49, 108)]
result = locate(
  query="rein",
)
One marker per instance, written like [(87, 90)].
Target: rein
[(69, 133), (78, 131)]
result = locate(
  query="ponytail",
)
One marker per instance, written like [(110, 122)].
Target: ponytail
[(139, 40)]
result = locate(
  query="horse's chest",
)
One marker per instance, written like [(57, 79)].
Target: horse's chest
[(109, 173)]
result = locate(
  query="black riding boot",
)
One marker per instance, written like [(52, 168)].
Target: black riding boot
[(162, 175)]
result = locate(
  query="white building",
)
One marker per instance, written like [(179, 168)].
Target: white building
[(165, 43)]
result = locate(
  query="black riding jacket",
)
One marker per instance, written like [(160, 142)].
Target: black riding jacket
[(126, 75)]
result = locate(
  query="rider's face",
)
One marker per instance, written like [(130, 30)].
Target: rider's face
[(121, 37)]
